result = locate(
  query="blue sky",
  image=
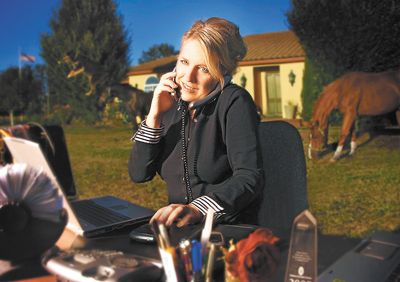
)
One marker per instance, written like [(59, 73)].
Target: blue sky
[(148, 22)]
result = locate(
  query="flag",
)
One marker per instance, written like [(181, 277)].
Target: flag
[(27, 58)]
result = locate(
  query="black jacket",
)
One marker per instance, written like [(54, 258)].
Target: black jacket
[(223, 156)]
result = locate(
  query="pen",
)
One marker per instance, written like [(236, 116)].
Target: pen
[(164, 234), (185, 253), (210, 263), (156, 230), (196, 260), (205, 234), (168, 259), (167, 253)]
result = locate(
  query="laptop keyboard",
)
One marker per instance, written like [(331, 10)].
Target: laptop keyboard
[(96, 214)]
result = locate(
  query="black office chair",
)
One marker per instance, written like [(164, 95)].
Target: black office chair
[(285, 189)]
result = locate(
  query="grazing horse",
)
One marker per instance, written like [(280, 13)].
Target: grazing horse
[(137, 102), (353, 94)]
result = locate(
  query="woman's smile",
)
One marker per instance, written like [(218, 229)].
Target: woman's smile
[(188, 88)]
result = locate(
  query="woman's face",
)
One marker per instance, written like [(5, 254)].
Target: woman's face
[(192, 75)]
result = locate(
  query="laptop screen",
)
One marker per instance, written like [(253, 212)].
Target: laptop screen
[(52, 142), (59, 161)]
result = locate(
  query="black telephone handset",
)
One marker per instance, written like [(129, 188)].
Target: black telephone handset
[(177, 93), (212, 95)]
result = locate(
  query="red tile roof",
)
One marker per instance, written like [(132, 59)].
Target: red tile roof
[(158, 65), (283, 45), (264, 48)]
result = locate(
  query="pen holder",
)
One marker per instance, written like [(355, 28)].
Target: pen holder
[(192, 261), (188, 263)]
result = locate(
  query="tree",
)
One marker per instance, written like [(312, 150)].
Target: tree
[(308, 94), (89, 28), (313, 82), (37, 91), (157, 51), (40, 74), (20, 92), (346, 35)]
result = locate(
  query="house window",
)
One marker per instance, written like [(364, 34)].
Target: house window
[(151, 84)]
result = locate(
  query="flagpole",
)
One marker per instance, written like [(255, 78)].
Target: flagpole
[(11, 114), (19, 62)]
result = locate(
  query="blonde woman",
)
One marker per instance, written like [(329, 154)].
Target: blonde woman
[(200, 134)]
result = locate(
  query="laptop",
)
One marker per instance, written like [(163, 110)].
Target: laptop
[(375, 259), (87, 217)]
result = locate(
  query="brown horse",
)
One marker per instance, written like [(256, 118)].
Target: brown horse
[(137, 102), (353, 94)]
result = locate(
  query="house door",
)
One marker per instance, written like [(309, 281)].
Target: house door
[(273, 94)]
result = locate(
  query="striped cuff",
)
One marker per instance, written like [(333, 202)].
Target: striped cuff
[(204, 203), (147, 134)]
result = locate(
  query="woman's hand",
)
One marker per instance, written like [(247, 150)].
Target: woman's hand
[(163, 98), (181, 214)]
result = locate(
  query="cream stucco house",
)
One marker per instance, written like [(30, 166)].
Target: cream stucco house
[(272, 72)]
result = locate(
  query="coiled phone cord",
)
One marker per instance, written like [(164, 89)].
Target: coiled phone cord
[(184, 109)]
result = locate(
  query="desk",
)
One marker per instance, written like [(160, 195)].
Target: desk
[(330, 248)]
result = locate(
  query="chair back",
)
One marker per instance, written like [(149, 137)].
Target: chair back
[(285, 188)]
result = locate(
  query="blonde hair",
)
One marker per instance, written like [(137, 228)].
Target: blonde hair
[(222, 44)]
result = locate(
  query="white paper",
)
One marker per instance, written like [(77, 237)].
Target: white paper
[(205, 234)]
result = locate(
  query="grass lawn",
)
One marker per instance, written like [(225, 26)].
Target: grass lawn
[(99, 159), (352, 197)]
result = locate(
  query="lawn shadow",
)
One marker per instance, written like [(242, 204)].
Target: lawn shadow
[(363, 139)]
